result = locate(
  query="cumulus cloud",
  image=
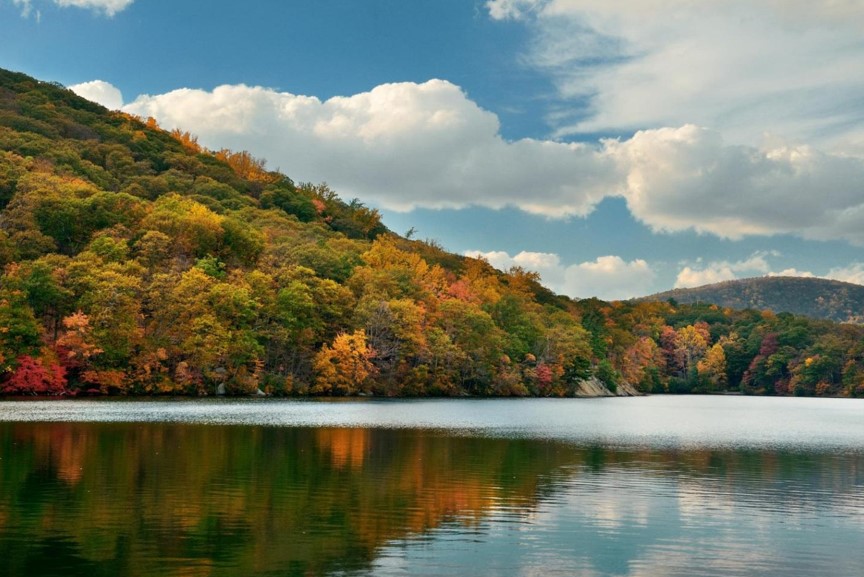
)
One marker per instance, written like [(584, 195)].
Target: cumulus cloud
[(610, 277), (107, 7), (400, 146), (746, 67), (407, 145), (699, 274), (689, 277), (100, 92), (853, 273), (689, 178), (793, 272), (718, 272), (607, 277), (757, 264)]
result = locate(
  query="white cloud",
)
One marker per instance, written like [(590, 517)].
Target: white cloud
[(689, 178), (757, 265), (745, 67), (610, 278), (513, 9), (607, 277), (853, 273), (718, 271), (793, 272), (25, 6), (108, 7), (100, 92), (401, 146), (689, 277)]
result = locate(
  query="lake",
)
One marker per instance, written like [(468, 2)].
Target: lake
[(653, 486)]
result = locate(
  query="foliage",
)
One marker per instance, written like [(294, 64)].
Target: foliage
[(343, 367)]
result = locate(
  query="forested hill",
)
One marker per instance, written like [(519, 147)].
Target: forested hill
[(813, 297), (134, 261)]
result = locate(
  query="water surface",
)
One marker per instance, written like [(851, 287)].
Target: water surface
[(650, 486)]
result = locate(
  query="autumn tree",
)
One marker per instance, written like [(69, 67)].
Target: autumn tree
[(691, 342), (195, 230), (31, 376), (643, 365), (342, 367), (247, 166), (712, 369), (392, 273)]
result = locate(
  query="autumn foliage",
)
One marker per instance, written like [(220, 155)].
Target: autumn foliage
[(32, 377), (135, 261)]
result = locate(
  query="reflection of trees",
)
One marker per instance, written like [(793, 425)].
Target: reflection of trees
[(195, 500), (150, 499)]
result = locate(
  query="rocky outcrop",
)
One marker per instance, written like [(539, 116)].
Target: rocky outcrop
[(594, 387)]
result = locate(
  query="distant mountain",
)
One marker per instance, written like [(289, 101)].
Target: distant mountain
[(812, 297)]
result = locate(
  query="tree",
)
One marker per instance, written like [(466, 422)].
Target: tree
[(195, 230), (392, 273), (19, 331), (247, 166), (343, 367), (691, 342), (395, 330), (482, 343), (641, 362), (712, 369), (32, 377)]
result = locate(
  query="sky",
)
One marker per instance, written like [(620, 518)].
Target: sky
[(618, 148)]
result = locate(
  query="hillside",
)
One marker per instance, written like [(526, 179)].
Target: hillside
[(812, 297), (135, 261)]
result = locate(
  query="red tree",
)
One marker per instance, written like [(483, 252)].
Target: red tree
[(31, 377)]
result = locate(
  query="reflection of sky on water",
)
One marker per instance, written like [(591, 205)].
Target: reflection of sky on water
[(642, 521)]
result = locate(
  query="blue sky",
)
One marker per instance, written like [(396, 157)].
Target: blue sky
[(616, 147)]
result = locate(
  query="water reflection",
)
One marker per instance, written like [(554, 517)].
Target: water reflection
[(171, 499)]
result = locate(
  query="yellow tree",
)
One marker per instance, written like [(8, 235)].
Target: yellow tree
[(691, 342), (247, 166), (393, 273), (195, 230), (712, 367), (343, 367)]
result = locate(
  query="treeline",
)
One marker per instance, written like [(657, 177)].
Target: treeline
[(135, 261), (666, 347)]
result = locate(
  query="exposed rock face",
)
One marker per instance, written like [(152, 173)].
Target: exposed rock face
[(594, 387)]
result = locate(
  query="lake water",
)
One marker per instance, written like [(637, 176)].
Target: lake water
[(654, 486)]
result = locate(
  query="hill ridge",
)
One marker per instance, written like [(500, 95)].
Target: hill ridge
[(809, 296)]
